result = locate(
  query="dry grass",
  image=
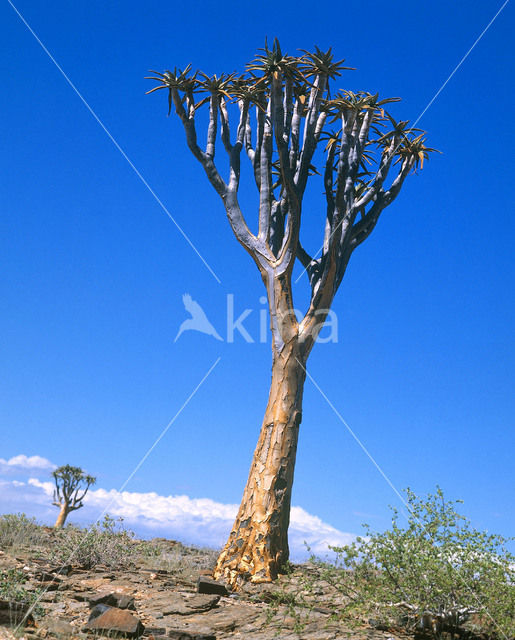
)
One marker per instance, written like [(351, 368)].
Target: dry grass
[(108, 544), (19, 531)]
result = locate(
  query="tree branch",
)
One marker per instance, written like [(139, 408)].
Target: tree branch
[(235, 151), (378, 180), (188, 122), (295, 133), (365, 226), (265, 176), (287, 109), (226, 131), (211, 130), (288, 184), (315, 120)]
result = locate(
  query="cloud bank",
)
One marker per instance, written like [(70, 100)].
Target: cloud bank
[(198, 521), (22, 463)]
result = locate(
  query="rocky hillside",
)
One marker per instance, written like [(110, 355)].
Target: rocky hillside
[(159, 589)]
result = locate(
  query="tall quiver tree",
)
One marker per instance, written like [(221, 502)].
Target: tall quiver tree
[(284, 114), (71, 486)]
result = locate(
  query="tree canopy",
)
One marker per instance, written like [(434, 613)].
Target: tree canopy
[(286, 109)]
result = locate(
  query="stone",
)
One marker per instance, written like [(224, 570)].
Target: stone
[(182, 634), (15, 613), (185, 604), (155, 631), (97, 611), (225, 620), (375, 624), (48, 596), (323, 610), (113, 599), (58, 627), (81, 596), (124, 601), (55, 607), (76, 606), (114, 621), (210, 586), (46, 576)]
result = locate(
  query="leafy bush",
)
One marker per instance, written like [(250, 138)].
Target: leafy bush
[(433, 575), (17, 530), (106, 544), (12, 588)]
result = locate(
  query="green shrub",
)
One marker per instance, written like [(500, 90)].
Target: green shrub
[(434, 574), (18, 530), (12, 588)]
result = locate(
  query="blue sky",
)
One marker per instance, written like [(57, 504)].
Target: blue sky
[(93, 270)]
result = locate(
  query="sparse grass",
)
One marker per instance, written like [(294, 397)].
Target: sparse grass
[(184, 562), (17, 530), (291, 604), (107, 544)]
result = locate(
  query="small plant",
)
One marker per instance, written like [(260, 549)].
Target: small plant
[(288, 599), (106, 543), (291, 604), (433, 575), (12, 589), (18, 530)]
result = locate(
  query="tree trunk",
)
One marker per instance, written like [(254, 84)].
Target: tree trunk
[(257, 547), (63, 514)]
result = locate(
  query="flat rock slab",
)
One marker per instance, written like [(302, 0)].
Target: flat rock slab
[(57, 627), (14, 612), (82, 596), (156, 632), (183, 604), (227, 619), (180, 634), (113, 599), (114, 621), (208, 585)]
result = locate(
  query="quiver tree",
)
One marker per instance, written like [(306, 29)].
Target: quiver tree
[(71, 486), (282, 115)]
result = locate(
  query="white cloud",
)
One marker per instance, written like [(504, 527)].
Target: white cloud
[(199, 521), (22, 463), (47, 487), (309, 530), (21, 497)]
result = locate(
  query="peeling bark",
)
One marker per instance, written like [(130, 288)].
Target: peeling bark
[(257, 548)]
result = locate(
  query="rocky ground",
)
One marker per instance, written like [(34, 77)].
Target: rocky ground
[(169, 595)]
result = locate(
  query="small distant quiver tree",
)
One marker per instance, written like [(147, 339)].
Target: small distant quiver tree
[(282, 113), (71, 486)]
